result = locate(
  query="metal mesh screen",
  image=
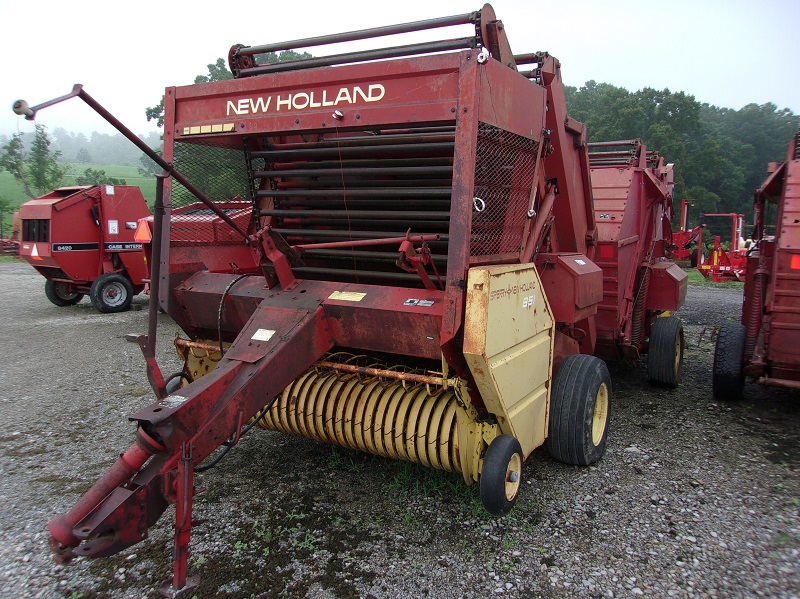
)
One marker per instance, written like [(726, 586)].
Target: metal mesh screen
[(221, 174), (504, 169)]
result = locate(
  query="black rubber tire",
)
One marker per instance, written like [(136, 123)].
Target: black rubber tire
[(111, 292), (61, 293), (693, 258), (665, 355), (501, 475), (580, 411), (727, 379)]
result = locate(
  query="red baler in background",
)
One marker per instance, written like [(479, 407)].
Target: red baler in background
[(765, 345), (81, 239)]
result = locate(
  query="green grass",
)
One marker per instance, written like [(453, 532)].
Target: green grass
[(695, 278), (129, 173)]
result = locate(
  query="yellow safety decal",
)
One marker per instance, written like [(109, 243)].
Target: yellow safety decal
[(200, 129), (347, 296)]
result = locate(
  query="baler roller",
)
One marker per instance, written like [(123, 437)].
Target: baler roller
[(386, 418)]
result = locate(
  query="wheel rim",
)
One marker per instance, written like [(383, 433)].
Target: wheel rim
[(114, 294), (513, 476), (678, 353), (65, 291), (600, 415)]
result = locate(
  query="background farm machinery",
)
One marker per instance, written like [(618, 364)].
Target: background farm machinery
[(763, 346), (81, 240), (720, 264), (714, 262), (419, 271)]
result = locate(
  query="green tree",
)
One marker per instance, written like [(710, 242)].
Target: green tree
[(218, 71), (97, 177), (83, 156), (5, 223), (37, 170)]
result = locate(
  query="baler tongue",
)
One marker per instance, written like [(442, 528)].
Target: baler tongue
[(181, 430)]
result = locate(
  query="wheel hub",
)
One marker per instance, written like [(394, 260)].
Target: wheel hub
[(600, 415)]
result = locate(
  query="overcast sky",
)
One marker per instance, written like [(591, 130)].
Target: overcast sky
[(724, 52)]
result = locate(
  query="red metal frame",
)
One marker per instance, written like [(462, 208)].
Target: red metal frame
[(771, 309), (684, 238), (721, 265), (633, 206)]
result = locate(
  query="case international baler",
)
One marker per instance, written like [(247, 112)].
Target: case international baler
[(416, 278), (81, 239), (764, 345)]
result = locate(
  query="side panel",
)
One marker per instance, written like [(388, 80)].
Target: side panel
[(508, 344)]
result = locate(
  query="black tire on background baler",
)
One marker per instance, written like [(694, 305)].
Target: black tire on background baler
[(61, 293), (727, 380), (111, 292), (665, 355)]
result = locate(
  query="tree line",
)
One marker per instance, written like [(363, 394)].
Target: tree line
[(720, 154)]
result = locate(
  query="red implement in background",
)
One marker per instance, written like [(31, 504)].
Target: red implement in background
[(764, 346), (725, 265), (632, 190), (81, 239), (685, 238)]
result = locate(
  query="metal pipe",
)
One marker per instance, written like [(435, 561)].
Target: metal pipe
[(389, 374), (360, 203), (618, 142), (377, 171), (360, 242), (366, 255), (357, 214), (361, 34), (155, 264), (360, 161), (304, 272), (364, 56), (350, 151), (368, 140), (409, 192)]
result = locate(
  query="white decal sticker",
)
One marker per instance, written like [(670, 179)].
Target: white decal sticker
[(113, 227), (418, 302), (581, 262), (173, 401), (527, 302), (109, 190), (263, 335), (129, 224)]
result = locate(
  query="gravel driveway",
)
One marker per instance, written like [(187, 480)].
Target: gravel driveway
[(694, 498)]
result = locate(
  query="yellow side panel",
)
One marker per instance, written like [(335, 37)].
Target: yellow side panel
[(508, 343)]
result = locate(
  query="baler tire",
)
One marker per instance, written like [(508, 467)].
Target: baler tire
[(61, 293), (665, 355), (727, 379), (501, 475), (111, 292), (580, 410)]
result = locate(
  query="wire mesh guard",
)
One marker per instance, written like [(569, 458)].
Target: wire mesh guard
[(504, 170), (221, 174)]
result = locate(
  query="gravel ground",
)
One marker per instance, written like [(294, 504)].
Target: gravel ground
[(694, 498)]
